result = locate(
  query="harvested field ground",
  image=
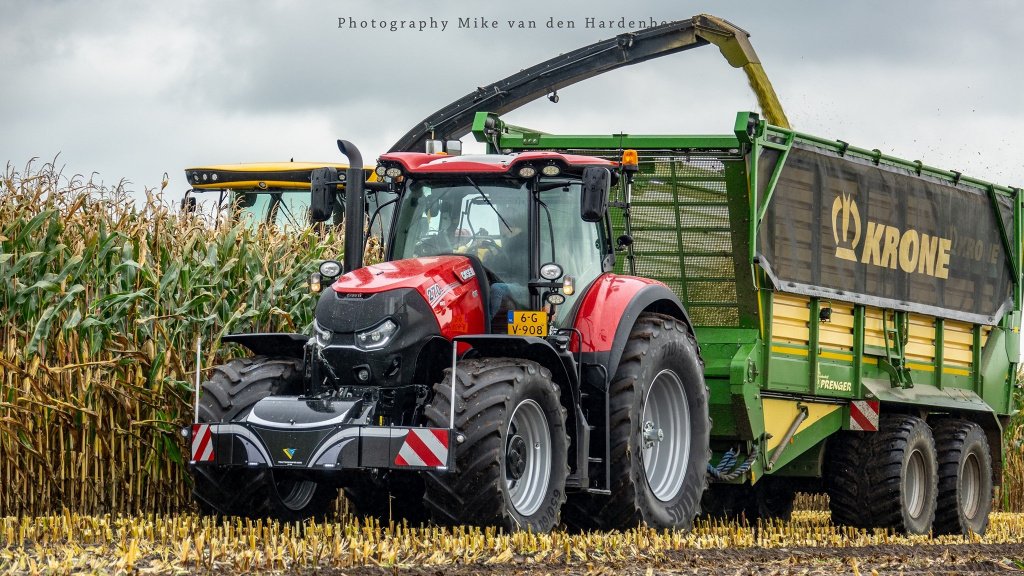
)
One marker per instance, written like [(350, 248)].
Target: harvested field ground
[(188, 544)]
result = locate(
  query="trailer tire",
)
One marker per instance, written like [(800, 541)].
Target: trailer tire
[(229, 394), (658, 391), (846, 480), (965, 478), (898, 482), (504, 408)]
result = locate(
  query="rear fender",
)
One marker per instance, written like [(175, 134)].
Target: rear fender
[(607, 315), (271, 343)]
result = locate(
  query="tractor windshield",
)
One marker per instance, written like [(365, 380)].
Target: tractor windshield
[(490, 219), (484, 218)]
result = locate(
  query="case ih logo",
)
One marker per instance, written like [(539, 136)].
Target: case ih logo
[(887, 246)]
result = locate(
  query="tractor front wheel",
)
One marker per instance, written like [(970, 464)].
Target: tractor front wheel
[(511, 459), (229, 394)]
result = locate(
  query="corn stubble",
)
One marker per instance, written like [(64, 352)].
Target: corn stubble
[(69, 543), (101, 302)]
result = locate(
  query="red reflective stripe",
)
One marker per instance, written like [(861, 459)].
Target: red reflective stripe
[(861, 419), (442, 436), (204, 440), (421, 450), (399, 461)]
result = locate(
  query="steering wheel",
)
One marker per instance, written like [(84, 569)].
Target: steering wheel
[(431, 246), (491, 255)]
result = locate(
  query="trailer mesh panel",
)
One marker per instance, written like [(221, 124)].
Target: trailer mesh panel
[(681, 230)]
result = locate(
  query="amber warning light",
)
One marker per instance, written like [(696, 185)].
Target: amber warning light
[(630, 161)]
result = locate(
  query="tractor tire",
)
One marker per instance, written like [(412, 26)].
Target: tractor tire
[(965, 478), (228, 395), (886, 479), (511, 465), (660, 429)]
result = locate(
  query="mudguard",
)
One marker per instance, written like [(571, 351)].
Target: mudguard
[(610, 309)]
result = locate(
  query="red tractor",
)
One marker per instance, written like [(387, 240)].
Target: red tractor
[(579, 394)]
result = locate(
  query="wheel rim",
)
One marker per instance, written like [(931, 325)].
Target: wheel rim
[(970, 486), (295, 494), (665, 435), (527, 457), (914, 484)]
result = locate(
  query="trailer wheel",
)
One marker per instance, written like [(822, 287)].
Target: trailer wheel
[(511, 467), (897, 479), (660, 428), (229, 394), (965, 478)]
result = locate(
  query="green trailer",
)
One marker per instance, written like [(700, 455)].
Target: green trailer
[(858, 315)]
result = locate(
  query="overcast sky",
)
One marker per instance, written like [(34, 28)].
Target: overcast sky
[(131, 90)]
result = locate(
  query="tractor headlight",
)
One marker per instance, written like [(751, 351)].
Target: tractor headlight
[(551, 170), (330, 269), (551, 271), (378, 336)]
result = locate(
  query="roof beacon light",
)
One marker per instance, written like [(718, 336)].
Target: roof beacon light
[(630, 161)]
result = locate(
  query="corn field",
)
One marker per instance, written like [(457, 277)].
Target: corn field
[(102, 301)]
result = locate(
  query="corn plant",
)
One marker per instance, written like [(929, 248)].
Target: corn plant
[(102, 300)]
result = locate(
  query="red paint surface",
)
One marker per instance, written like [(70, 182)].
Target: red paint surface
[(456, 303), (420, 163), (602, 308)]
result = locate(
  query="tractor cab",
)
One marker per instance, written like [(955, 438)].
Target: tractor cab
[(518, 219)]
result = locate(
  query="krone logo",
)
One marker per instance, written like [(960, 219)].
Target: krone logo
[(845, 206), (887, 246)]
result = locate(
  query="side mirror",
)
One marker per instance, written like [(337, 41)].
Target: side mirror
[(597, 181), (323, 185)]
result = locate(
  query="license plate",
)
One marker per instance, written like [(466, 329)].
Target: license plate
[(527, 323)]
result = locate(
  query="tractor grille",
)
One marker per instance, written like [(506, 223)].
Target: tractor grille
[(681, 230)]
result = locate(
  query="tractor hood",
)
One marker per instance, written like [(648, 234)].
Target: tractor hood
[(448, 284)]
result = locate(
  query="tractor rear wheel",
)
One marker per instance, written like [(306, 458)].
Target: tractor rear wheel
[(965, 478), (228, 395), (511, 464), (660, 429)]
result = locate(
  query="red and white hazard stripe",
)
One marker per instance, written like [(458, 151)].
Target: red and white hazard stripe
[(425, 447), (202, 443), (864, 415)]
